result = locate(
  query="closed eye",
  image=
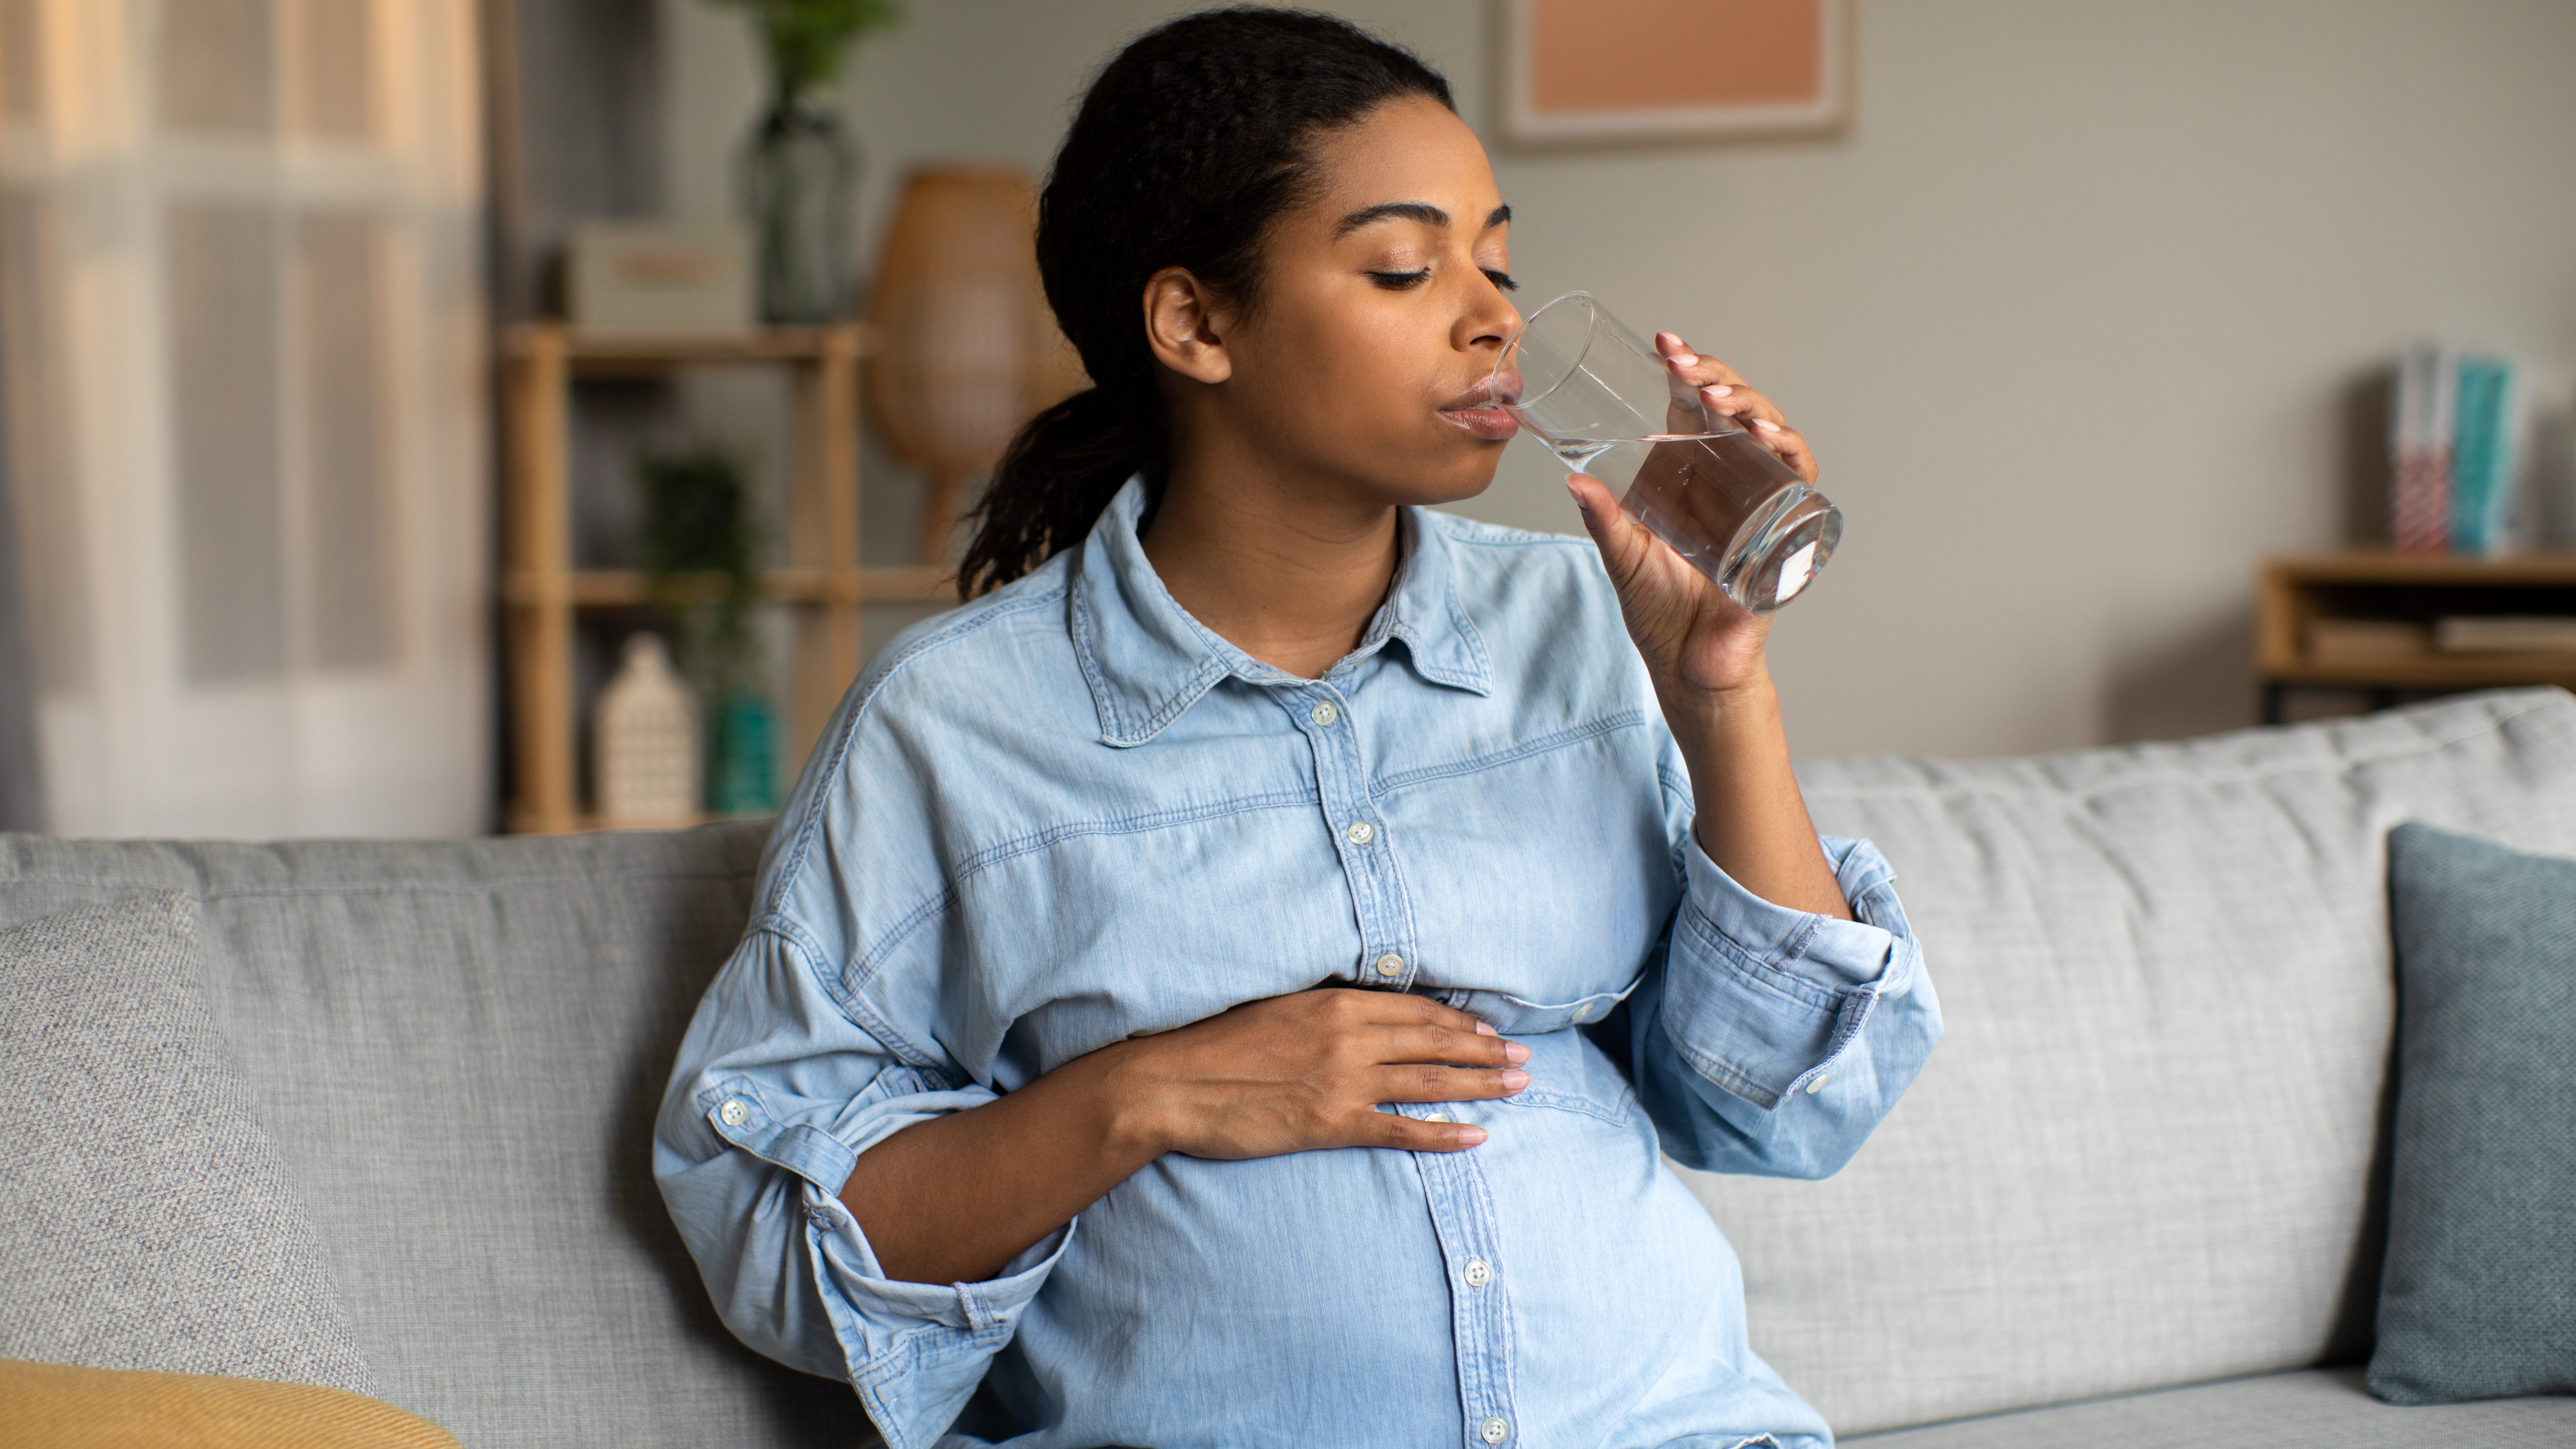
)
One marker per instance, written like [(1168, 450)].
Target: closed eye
[(1404, 281)]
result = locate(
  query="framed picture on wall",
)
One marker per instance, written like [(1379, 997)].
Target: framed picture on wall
[(1590, 72)]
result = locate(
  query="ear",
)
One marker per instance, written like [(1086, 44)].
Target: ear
[(1183, 318)]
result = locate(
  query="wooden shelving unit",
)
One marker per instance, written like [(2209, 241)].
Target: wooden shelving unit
[(542, 593), (2383, 586)]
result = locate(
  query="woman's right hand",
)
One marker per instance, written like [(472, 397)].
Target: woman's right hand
[(1308, 1070)]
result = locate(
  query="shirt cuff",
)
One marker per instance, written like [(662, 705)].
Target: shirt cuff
[(931, 1341), (1819, 949)]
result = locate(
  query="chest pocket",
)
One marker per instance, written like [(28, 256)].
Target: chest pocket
[(1517, 1016), (1567, 1072)]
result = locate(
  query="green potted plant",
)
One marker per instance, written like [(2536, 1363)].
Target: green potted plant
[(700, 541), (799, 168)]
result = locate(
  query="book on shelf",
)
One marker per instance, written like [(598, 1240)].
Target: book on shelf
[(2337, 641), (2455, 456), (2505, 634)]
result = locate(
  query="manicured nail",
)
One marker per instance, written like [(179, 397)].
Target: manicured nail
[(1685, 359), (1484, 1028), (1768, 427), (1469, 1136), (1668, 339), (1716, 389), (1514, 1052), (1515, 1079)]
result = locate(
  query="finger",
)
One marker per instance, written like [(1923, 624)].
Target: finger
[(1790, 446), (1424, 1083), (1453, 1048), (1700, 370), (1412, 1134), (1623, 541), (1406, 1009), (1741, 403)]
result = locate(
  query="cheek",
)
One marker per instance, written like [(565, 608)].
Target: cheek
[(1366, 375)]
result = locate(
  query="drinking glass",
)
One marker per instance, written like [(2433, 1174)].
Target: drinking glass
[(1608, 404)]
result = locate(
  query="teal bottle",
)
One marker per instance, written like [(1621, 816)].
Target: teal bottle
[(743, 776)]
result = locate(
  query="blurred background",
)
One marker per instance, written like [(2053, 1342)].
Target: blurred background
[(375, 374)]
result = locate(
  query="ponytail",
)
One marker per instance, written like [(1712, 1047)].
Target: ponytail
[(1058, 474), (1188, 145)]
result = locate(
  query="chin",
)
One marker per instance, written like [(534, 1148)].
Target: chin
[(1449, 476)]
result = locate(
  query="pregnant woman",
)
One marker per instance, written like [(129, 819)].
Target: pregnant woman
[(1229, 982)]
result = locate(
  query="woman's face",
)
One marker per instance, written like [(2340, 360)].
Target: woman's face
[(1383, 306)]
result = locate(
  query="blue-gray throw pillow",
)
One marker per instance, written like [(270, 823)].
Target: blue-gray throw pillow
[(2478, 1298)]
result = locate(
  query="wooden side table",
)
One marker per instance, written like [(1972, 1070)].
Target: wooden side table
[(541, 592), (2365, 620)]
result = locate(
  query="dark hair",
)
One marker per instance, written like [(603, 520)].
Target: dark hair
[(1189, 144)]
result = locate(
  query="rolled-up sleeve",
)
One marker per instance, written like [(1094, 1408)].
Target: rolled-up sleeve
[(776, 1093), (1773, 1041)]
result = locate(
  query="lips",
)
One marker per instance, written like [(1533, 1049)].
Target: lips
[(1477, 411)]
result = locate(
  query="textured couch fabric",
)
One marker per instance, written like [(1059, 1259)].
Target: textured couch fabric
[(2152, 1148), (146, 1221), (459, 1048), (2145, 1156)]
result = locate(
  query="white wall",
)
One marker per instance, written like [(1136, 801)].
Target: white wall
[(2081, 315)]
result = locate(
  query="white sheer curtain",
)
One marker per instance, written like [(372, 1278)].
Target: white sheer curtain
[(240, 302)]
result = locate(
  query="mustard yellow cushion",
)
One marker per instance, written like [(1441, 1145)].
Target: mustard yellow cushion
[(57, 1406)]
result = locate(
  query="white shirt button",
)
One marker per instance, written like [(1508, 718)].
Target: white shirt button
[(1323, 714), (1479, 1273), (1360, 833), (733, 1113), (1818, 1084), (1435, 1117), (1494, 1430), (1389, 965)]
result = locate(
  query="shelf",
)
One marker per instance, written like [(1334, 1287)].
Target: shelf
[(2387, 566), (629, 588), (523, 821), (594, 353), (2431, 671), (2385, 587)]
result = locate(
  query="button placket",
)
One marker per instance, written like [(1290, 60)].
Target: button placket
[(1480, 1315), (1361, 841)]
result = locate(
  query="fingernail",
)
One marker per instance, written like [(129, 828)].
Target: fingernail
[(1686, 359), (1470, 1136), (1514, 1052), (1515, 1079), (1717, 389), (1485, 1029), (1668, 339), (1766, 426)]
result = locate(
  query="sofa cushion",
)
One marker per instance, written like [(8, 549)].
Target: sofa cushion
[(2145, 1153), (459, 1047), (2316, 1409), (146, 1221), (56, 1406), (2478, 1300)]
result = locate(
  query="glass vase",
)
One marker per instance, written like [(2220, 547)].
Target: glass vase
[(796, 178)]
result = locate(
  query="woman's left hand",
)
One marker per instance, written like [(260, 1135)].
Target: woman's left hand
[(1691, 634)]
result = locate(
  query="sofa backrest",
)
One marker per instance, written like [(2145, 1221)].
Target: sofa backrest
[(2152, 1147), (459, 1049)]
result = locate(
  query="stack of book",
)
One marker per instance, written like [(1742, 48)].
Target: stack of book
[(2454, 429)]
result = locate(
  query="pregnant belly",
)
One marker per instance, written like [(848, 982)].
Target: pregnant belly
[(1339, 1292)]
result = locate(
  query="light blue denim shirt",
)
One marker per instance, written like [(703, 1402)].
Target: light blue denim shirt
[(1068, 813)]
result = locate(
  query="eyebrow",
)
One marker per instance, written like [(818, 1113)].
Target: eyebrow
[(1421, 211)]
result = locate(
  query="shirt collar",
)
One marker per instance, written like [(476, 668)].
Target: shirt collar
[(1148, 661)]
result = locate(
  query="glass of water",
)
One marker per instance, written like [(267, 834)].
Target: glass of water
[(1608, 404)]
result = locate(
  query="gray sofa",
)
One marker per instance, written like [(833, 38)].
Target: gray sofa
[(2136, 1200)]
